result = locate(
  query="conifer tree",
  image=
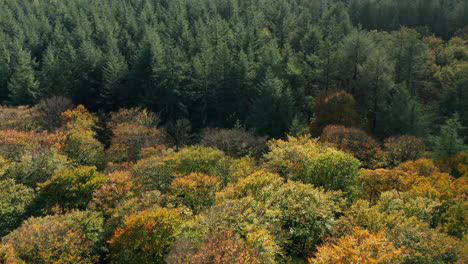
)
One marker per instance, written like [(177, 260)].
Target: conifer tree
[(273, 108), (22, 86), (450, 141)]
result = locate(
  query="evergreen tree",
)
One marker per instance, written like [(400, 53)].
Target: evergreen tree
[(409, 56), (114, 73), (272, 109), (449, 142), (22, 86), (353, 53), (375, 86), (405, 115)]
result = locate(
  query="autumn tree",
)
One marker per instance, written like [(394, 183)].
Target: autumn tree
[(81, 144), (335, 108), (73, 237), (360, 246), (354, 141), (145, 237), (196, 190), (14, 203), (132, 130), (403, 148), (219, 247), (70, 189), (306, 160)]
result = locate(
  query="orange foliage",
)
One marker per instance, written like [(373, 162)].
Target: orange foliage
[(360, 246), (374, 182), (423, 167), (196, 190), (220, 248), (128, 140), (145, 237), (354, 141), (335, 108), (14, 143), (23, 118), (133, 129), (457, 166), (118, 187)]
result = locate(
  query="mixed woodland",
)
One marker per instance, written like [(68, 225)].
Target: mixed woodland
[(233, 131)]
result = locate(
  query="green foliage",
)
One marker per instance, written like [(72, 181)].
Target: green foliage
[(14, 203), (449, 142), (305, 215), (80, 144), (70, 238), (272, 109), (158, 171), (305, 160), (70, 189), (22, 86), (196, 190), (403, 148), (420, 244)]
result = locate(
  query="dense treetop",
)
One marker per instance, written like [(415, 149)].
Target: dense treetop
[(257, 63), (233, 131)]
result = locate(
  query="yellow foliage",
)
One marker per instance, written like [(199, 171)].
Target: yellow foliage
[(360, 246)]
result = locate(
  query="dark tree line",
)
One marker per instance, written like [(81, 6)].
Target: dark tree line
[(258, 63)]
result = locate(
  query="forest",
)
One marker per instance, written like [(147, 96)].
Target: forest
[(234, 131)]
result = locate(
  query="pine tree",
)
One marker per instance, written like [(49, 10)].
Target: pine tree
[(409, 55), (449, 142), (272, 109), (114, 73), (405, 115), (374, 86), (353, 53), (22, 86)]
